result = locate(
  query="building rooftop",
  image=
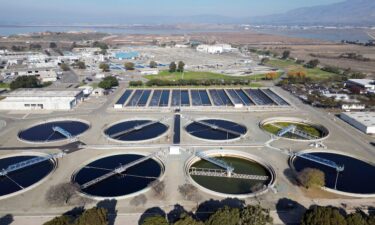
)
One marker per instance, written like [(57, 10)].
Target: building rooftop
[(366, 118), (363, 82), (43, 93)]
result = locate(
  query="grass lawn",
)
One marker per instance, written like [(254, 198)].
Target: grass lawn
[(289, 65), (192, 75), (251, 85), (4, 85)]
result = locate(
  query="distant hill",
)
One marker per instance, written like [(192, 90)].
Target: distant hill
[(349, 12)]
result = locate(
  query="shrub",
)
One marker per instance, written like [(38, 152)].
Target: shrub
[(311, 178)]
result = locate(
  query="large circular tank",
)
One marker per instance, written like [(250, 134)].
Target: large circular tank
[(241, 184), (216, 130), (308, 130), (136, 130), (44, 132), (134, 180), (20, 180), (357, 179)]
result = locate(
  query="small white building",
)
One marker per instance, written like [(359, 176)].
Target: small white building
[(214, 49), (349, 107), (338, 97), (41, 99), (363, 121), (150, 72)]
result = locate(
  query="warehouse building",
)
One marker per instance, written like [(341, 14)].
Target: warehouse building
[(363, 121), (39, 99)]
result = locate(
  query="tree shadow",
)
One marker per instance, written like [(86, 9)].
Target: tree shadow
[(207, 208), (155, 211), (287, 208), (110, 205), (6, 220), (75, 212), (176, 212), (371, 210), (291, 175)]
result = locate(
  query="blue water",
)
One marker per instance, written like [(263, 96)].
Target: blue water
[(145, 133), (132, 180), (44, 132), (24, 177), (358, 176), (206, 132)]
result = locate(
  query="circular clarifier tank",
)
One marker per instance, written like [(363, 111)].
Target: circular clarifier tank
[(299, 129), (134, 180), (47, 132), (358, 177), (250, 175), (216, 129), (18, 181), (136, 130)]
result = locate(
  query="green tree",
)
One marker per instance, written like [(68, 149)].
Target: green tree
[(129, 66), (286, 54), (181, 66), (153, 64), (319, 215), (81, 65), (25, 82), (264, 61), (312, 63), (108, 82), (255, 215), (61, 220), (187, 220), (104, 67), (155, 220), (224, 216), (172, 67), (311, 178), (52, 45), (357, 218), (94, 216), (101, 45), (64, 67)]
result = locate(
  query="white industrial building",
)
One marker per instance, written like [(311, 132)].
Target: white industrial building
[(214, 49), (43, 74), (363, 121), (41, 99)]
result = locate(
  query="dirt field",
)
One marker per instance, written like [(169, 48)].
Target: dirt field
[(329, 55)]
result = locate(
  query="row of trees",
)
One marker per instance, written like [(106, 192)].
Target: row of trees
[(319, 215), (190, 82), (173, 67), (94, 216), (249, 215)]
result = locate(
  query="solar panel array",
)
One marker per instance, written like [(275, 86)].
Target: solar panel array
[(199, 98)]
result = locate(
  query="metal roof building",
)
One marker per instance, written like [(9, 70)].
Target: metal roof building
[(41, 99), (363, 121)]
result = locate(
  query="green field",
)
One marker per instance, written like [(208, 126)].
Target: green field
[(4, 85), (191, 75), (274, 128), (289, 65)]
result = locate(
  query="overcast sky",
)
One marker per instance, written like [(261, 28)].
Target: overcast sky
[(113, 11)]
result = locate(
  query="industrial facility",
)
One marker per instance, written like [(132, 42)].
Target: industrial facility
[(37, 99), (363, 121)]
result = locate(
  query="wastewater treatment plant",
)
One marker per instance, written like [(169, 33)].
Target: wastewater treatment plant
[(228, 143)]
